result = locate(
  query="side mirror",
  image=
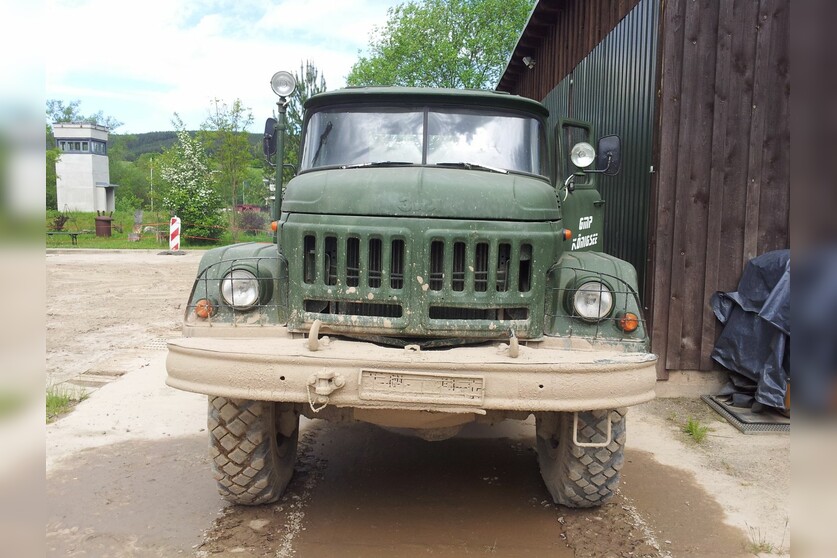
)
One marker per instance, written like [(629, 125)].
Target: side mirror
[(609, 155), (269, 140)]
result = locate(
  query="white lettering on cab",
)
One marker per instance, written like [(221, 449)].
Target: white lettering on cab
[(585, 223), (585, 241)]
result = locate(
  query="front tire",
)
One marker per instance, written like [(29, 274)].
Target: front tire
[(581, 477), (253, 448)]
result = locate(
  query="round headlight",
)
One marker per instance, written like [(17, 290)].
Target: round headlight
[(283, 83), (592, 301), (582, 155), (240, 289)]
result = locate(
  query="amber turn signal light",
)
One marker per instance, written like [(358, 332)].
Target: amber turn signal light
[(274, 225), (204, 309), (568, 234), (627, 322)]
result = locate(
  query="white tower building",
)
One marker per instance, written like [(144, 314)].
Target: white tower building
[(83, 182)]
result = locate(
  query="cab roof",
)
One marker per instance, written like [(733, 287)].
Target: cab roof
[(422, 95)]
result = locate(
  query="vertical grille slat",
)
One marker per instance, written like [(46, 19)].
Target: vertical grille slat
[(352, 261), (481, 267), (396, 276), (330, 260), (503, 267), (309, 258), (457, 276), (375, 267), (437, 265)]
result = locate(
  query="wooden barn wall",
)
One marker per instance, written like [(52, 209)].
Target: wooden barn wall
[(721, 193), (559, 35)]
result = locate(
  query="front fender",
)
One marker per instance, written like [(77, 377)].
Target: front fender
[(261, 259), (571, 271)]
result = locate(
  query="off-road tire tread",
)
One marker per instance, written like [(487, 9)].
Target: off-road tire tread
[(246, 458), (579, 477)]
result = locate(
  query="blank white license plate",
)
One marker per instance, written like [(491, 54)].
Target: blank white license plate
[(420, 387)]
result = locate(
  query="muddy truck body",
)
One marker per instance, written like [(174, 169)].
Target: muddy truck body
[(436, 262)]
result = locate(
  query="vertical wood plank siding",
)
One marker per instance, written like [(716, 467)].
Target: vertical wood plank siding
[(560, 33), (722, 190)]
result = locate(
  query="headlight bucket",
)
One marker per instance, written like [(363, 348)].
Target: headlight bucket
[(592, 301), (241, 289)]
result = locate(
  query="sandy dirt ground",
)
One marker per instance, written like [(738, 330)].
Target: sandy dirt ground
[(128, 472)]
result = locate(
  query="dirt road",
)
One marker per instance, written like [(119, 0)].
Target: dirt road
[(128, 472)]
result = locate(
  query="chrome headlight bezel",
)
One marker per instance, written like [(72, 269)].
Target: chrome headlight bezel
[(240, 289), (582, 154), (591, 301)]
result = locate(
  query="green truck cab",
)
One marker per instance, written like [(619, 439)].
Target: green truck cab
[(426, 273)]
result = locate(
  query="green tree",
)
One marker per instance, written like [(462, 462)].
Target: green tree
[(59, 111), (225, 133), (442, 43), (189, 192), (52, 156)]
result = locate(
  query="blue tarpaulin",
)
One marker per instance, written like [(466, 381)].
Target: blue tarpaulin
[(755, 342)]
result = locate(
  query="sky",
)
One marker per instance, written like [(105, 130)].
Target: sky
[(141, 62)]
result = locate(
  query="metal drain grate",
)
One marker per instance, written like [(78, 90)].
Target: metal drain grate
[(156, 345), (747, 422)]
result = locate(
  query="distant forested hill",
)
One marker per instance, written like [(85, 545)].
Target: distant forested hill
[(155, 142)]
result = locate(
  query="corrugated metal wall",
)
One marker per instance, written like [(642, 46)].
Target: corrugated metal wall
[(723, 187), (559, 34), (614, 89)]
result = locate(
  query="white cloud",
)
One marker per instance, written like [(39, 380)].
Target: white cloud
[(141, 62)]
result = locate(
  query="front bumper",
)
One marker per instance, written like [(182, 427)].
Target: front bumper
[(457, 380)]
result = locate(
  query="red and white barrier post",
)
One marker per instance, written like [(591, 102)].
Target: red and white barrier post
[(174, 234)]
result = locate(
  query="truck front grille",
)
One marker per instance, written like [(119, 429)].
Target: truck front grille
[(376, 262), (478, 266), (417, 283)]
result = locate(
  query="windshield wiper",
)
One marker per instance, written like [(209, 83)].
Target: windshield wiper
[(473, 166), (323, 138), (378, 164)]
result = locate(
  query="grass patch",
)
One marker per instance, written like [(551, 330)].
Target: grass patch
[(122, 227), (696, 430), (61, 399), (758, 544)]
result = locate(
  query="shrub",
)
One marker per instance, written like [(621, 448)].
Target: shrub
[(190, 194), (251, 222)]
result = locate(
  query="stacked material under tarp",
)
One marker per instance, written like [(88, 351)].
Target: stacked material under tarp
[(755, 342)]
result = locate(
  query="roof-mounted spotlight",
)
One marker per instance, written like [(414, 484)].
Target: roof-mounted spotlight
[(283, 84), (529, 61)]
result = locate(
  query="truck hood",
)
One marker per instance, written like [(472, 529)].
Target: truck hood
[(422, 192)]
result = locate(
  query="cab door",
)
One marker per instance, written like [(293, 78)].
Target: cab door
[(582, 207)]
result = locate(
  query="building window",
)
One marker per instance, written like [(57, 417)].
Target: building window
[(92, 146)]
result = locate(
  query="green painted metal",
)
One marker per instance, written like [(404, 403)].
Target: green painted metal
[(419, 253), (477, 300), (422, 192), (574, 269), (417, 96), (582, 206)]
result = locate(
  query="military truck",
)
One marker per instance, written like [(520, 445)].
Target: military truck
[(437, 261)]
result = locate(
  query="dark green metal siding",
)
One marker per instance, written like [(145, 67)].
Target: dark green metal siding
[(614, 89)]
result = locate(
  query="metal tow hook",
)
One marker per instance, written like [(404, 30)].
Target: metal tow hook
[(324, 383), (514, 346), (313, 341)]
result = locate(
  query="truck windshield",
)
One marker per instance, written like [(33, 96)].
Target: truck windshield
[(462, 138)]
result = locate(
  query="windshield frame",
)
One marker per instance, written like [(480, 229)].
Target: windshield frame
[(543, 146)]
